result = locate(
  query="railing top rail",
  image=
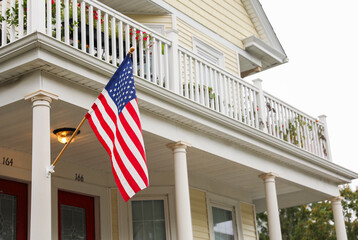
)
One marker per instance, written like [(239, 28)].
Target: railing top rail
[(266, 94), (219, 69), (127, 20)]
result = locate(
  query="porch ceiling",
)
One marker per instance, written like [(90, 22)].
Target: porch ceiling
[(86, 151)]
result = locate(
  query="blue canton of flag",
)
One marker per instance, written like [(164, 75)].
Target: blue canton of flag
[(114, 118)]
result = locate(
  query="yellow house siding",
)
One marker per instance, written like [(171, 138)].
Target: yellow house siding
[(114, 214), (248, 221), (199, 215), (185, 36), (165, 20), (227, 18)]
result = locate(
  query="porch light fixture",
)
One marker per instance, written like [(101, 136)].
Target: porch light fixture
[(64, 134)]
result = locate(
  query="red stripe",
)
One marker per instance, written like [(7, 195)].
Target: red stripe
[(134, 114), (118, 182), (133, 136), (117, 158), (131, 157)]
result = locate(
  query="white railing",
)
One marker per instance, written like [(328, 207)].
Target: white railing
[(95, 29), (291, 125), (217, 89), (108, 35)]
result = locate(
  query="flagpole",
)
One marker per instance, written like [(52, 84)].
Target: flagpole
[(50, 169)]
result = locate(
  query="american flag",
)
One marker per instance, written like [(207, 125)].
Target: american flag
[(114, 118)]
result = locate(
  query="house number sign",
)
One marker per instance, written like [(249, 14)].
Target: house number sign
[(8, 161), (79, 177)]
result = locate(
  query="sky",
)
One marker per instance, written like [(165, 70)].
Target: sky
[(320, 38)]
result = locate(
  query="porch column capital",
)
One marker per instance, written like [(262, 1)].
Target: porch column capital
[(179, 145), (337, 199), (41, 95), (268, 176)]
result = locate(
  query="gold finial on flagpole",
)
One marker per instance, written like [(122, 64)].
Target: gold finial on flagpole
[(131, 50)]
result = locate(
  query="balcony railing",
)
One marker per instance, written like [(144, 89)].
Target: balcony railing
[(106, 34)]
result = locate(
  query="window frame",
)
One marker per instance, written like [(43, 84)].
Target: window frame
[(225, 204), (199, 45), (145, 198)]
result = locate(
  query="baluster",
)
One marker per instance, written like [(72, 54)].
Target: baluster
[(166, 62), (127, 38), (74, 23), (235, 99), (252, 107), (197, 76), (160, 63), (12, 27), (185, 73), (147, 57), (21, 18), (191, 80), (201, 87), (247, 112), (106, 38), (67, 22), (4, 23), (99, 34), (154, 60), (227, 99), (49, 17), (120, 43), (231, 104), (114, 46), (276, 116), (83, 27), (181, 70), (134, 44), (217, 95), (141, 55), (221, 93), (254, 96), (279, 115), (240, 101), (58, 19), (90, 30)]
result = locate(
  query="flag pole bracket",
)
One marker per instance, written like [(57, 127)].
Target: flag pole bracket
[(50, 169)]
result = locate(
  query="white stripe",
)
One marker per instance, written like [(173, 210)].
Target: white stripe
[(134, 125), (131, 169), (132, 146), (109, 143)]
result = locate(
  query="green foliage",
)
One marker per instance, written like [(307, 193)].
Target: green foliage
[(314, 221)]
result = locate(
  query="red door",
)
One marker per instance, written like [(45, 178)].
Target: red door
[(13, 210), (75, 216)]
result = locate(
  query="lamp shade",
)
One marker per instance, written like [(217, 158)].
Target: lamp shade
[(64, 134)]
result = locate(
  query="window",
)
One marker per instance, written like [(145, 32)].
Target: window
[(148, 220), (223, 218), (13, 210), (223, 225), (208, 52)]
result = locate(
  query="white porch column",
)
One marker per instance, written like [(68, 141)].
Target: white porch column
[(182, 199), (272, 206), (338, 218), (40, 225)]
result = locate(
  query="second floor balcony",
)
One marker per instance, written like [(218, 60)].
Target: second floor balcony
[(91, 28)]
